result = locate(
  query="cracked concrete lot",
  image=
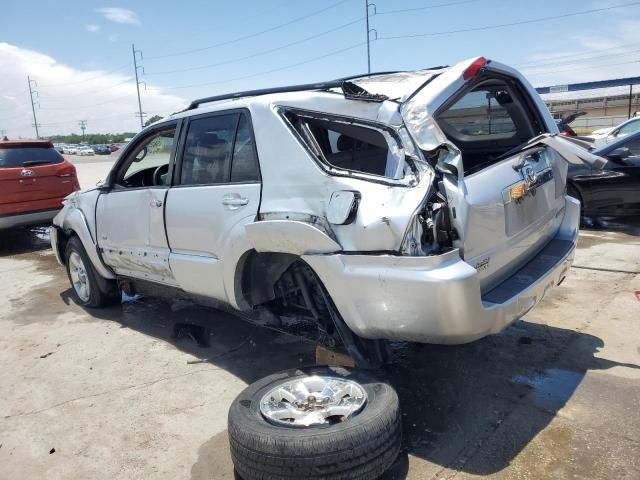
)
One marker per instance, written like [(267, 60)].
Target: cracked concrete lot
[(120, 393)]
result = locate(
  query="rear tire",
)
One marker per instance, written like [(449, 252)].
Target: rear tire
[(359, 447), (89, 288)]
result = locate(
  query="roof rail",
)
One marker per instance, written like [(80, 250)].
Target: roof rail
[(292, 88)]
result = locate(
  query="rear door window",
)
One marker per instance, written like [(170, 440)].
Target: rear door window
[(28, 156)]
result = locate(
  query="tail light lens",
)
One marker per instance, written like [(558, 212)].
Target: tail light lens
[(68, 170), (473, 70)]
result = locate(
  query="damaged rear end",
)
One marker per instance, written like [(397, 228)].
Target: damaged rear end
[(480, 221)]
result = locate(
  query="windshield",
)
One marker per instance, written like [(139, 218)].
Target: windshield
[(25, 156)]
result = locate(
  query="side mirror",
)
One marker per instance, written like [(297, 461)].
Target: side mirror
[(619, 153)]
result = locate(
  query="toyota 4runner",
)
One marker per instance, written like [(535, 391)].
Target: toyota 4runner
[(426, 206)]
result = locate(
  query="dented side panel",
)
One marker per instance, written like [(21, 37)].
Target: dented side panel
[(294, 182), (131, 236), (289, 236)]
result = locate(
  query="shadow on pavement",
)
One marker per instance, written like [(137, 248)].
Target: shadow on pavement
[(15, 241), (454, 398), (629, 225)]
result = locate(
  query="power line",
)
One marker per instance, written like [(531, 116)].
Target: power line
[(83, 127), (429, 7), (258, 54), (90, 119), (12, 118), (250, 35), (593, 57), (265, 72), (84, 80), (89, 106), (135, 68), (569, 55), (511, 24), (587, 67), (367, 8), (33, 108), (128, 80)]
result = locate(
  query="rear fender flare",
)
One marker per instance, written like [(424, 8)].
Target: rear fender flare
[(289, 236)]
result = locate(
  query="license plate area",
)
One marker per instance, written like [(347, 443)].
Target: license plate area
[(522, 211)]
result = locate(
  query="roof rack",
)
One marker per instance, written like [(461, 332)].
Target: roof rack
[(292, 88)]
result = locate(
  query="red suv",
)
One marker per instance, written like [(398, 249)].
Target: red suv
[(34, 178)]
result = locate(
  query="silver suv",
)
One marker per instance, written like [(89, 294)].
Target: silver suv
[(425, 206)]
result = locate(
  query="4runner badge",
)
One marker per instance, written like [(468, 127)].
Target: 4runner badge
[(482, 264)]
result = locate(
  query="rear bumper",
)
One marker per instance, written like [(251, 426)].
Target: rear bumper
[(28, 218), (438, 299)]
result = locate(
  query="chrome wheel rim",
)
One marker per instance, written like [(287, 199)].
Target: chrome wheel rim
[(79, 278), (313, 400)]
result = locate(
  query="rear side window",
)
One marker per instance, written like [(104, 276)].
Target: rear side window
[(28, 156), (348, 146), (219, 149), (244, 165)]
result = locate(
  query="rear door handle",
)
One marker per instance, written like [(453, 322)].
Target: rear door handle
[(156, 203), (235, 201)]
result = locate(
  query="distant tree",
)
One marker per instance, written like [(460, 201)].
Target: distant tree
[(93, 138), (153, 119)]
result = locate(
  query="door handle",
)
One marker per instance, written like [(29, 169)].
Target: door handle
[(233, 201), (156, 203)]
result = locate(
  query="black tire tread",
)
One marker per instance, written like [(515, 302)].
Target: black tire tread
[(359, 450), (104, 292)]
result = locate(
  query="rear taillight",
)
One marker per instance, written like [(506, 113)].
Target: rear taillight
[(474, 69), (68, 171)]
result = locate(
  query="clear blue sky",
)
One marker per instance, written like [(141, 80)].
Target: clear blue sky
[(78, 34)]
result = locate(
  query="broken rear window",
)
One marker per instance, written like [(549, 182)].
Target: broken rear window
[(349, 146)]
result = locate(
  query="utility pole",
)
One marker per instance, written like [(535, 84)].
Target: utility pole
[(630, 98), (83, 127), (140, 113), (32, 92), (367, 6)]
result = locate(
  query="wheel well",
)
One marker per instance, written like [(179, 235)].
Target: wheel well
[(572, 186), (288, 286), (258, 274), (63, 239)]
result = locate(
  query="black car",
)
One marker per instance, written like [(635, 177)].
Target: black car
[(614, 190), (101, 149)]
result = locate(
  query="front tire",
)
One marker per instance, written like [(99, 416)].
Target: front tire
[(353, 432), (89, 288)]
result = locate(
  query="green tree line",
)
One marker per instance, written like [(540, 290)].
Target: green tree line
[(92, 138)]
